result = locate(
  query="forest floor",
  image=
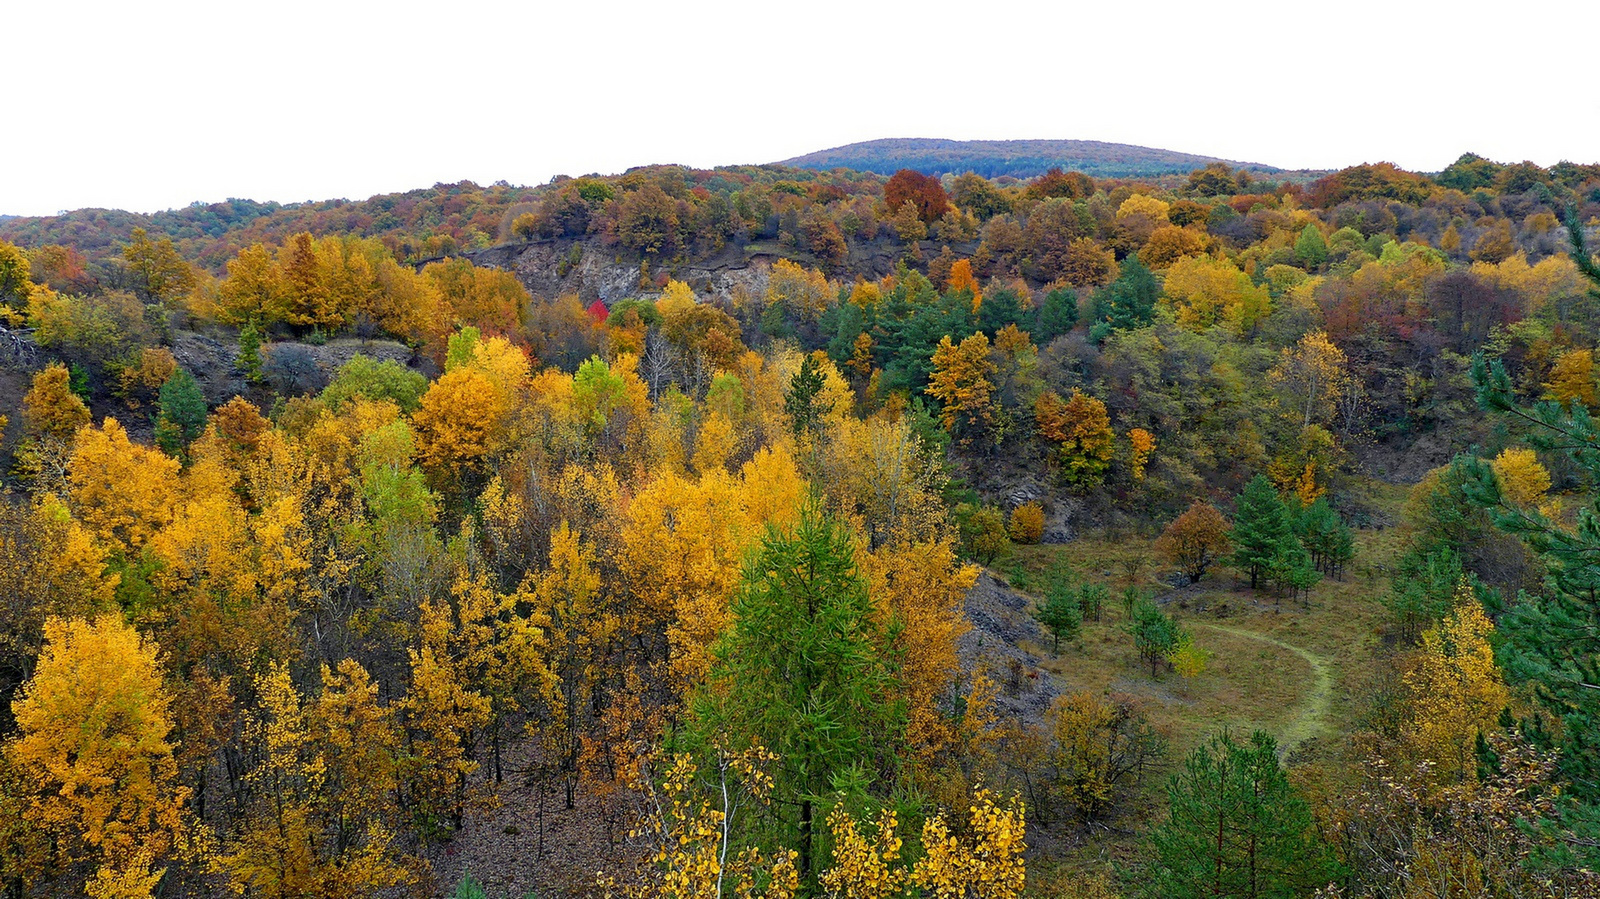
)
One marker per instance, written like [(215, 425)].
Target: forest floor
[(1302, 670)]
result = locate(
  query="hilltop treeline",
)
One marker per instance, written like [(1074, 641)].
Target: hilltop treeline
[(1013, 158)]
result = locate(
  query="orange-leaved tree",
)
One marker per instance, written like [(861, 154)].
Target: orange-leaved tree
[(1195, 539)]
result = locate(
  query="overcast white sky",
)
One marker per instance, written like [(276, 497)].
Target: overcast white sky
[(157, 104)]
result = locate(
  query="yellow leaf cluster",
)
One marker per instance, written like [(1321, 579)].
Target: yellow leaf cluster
[(864, 867), (985, 860), (1210, 291), (123, 492), (1454, 692), (1026, 524), (1523, 480)]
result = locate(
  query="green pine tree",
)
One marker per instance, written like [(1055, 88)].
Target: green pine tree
[(803, 672), (1325, 536), (182, 413), (1261, 531), (1057, 316), (1550, 635), (1001, 306), (1061, 614), (1237, 828), (1128, 302), (1155, 634), (1424, 589), (250, 353), (802, 400)]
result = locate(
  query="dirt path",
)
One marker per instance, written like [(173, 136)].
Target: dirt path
[(1315, 702)]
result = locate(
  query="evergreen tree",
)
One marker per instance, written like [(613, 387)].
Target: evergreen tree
[(912, 340), (1128, 302), (1261, 533), (1325, 536), (1237, 828), (999, 307), (1291, 569), (1551, 639), (802, 671), (1057, 316), (250, 353), (1061, 614), (1092, 598), (845, 322), (183, 413), (1424, 588), (801, 399), (1155, 634)]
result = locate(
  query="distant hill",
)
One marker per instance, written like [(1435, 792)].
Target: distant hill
[(1018, 158), (418, 224)]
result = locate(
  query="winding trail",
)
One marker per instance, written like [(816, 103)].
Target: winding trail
[(1317, 699)]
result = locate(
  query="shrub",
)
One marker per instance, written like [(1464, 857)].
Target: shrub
[(1027, 523)]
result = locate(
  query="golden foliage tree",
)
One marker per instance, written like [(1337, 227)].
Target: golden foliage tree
[(1312, 376), (1572, 380), (123, 492), (319, 825), (94, 721), (50, 410), (960, 381), (1454, 692), (1141, 444), (444, 719), (1081, 430), (982, 860), (922, 586), (1026, 524), (691, 837), (1522, 479), (1210, 291)]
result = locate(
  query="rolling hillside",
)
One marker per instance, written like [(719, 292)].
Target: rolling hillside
[(1018, 158)]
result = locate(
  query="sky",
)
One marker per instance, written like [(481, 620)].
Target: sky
[(154, 105)]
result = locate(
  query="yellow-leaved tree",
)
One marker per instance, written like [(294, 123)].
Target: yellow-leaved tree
[(94, 721), (960, 381), (922, 586), (578, 630), (123, 492), (1522, 479), (1081, 429), (1454, 692), (1207, 291), (444, 718), (321, 820)]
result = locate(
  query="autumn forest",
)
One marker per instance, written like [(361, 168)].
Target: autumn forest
[(774, 532)]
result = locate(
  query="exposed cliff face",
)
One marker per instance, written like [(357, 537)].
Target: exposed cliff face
[(592, 272), (585, 268)]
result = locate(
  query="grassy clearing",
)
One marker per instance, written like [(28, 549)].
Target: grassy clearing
[(1298, 669)]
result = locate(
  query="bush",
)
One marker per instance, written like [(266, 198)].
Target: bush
[(983, 533), (376, 380), (1027, 523)]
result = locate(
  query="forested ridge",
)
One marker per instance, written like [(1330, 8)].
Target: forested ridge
[(1016, 158), (769, 532)]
